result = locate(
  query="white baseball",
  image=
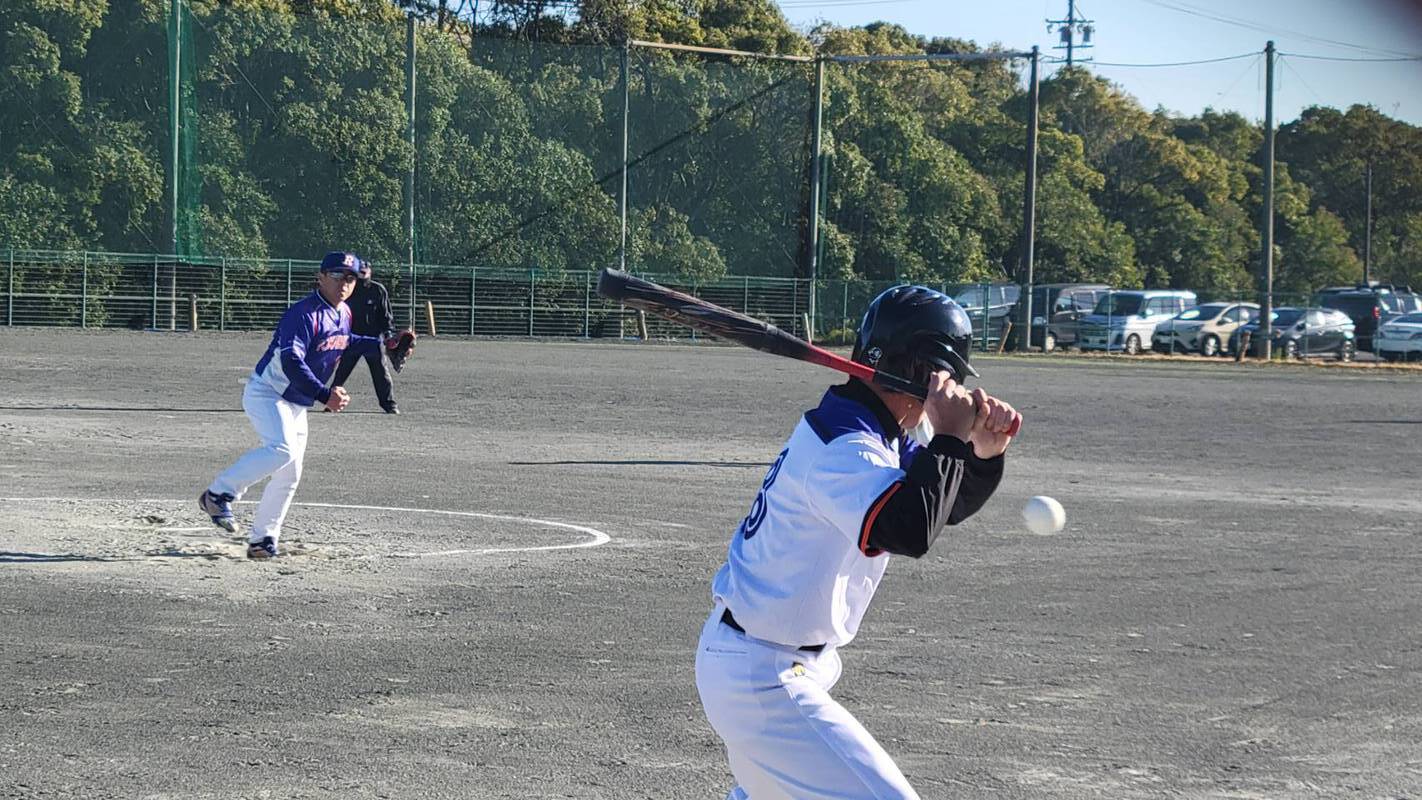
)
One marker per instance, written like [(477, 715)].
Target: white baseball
[(1043, 515)]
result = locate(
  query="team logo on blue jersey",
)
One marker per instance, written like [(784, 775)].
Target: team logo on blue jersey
[(752, 522)]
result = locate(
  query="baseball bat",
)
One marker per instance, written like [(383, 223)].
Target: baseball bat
[(694, 312)]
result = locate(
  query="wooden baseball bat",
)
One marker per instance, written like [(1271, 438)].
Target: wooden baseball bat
[(694, 312)]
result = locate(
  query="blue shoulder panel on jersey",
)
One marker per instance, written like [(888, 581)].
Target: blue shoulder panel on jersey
[(837, 416)]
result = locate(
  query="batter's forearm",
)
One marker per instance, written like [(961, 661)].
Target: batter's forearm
[(909, 515)]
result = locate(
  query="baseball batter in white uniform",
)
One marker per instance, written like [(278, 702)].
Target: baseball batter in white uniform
[(289, 379), (850, 487)]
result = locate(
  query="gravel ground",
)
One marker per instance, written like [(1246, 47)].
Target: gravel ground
[(496, 594)]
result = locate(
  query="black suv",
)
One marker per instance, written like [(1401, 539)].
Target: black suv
[(1057, 309), (1369, 305)]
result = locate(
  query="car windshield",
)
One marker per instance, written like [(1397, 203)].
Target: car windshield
[(1286, 316), (1352, 304), (1119, 305), (973, 296), (1415, 318), (1208, 311)]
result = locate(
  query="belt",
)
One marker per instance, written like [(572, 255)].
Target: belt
[(730, 622)]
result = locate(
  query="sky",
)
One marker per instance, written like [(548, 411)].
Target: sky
[(1166, 31)]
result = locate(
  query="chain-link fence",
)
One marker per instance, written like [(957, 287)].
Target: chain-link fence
[(116, 290)]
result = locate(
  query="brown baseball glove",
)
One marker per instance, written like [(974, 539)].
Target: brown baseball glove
[(399, 347)]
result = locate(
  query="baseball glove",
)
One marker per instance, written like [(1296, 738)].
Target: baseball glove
[(399, 347)]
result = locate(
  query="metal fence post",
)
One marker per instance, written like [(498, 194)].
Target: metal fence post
[(587, 305), (745, 295), (288, 281), (473, 280), (986, 313), (84, 294), (795, 306), (153, 321), (222, 297), (531, 275), (10, 293), (844, 309)]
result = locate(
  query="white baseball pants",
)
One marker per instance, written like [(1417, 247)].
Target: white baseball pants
[(786, 738), (281, 425)]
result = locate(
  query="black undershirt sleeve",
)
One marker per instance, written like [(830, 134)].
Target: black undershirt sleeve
[(945, 484)]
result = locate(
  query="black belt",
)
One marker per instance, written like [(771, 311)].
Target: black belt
[(730, 622)]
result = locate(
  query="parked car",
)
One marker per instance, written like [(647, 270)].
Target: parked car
[(1407, 303), (1203, 329), (1368, 306), (1303, 333), (1057, 309), (995, 302), (1400, 338), (1126, 320)]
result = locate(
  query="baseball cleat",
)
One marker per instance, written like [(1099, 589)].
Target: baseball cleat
[(266, 548), (219, 507)]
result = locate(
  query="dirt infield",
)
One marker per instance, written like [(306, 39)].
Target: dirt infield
[(496, 593)]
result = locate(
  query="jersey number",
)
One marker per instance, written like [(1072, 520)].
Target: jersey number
[(751, 523)]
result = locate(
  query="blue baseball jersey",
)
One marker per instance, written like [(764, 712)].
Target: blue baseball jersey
[(306, 348)]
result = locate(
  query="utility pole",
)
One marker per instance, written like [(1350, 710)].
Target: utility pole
[(622, 194), (1368, 230), (414, 151), (815, 190), (1029, 201), (1265, 323), (1071, 27)]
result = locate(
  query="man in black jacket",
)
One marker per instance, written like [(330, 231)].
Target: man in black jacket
[(371, 315)]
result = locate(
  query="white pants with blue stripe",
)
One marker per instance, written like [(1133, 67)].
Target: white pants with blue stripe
[(785, 737), (281, 425)]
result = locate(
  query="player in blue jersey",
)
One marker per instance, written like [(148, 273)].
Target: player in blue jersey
[(867, 473), (289, 379)]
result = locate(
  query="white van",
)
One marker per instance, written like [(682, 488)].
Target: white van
[(1125, 320)]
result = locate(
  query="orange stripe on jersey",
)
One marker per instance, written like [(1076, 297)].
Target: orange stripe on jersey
[(873, 515)]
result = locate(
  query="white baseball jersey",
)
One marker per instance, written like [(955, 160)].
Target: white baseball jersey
[(800, 570)]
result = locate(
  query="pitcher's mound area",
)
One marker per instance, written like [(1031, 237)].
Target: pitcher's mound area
[(60, 529)]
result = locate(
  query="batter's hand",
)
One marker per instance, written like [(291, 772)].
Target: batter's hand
[(339, 399), (991, 425), (949, 407)]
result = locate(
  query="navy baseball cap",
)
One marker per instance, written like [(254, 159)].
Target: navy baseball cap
[(341, 262)]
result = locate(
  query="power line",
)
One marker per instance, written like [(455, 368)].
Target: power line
[(1290, 67), (838, 3), (1164, 64), (1269, 29), (1341, 58)]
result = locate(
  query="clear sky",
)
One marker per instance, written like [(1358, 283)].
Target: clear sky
[(1159, 31)]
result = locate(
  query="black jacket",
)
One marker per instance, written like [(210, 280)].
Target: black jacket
[(371, 314), (944, 484)]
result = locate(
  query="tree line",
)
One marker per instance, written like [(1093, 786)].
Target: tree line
[(293, 119)]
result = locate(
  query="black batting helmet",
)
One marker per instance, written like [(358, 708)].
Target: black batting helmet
[(912, 331)]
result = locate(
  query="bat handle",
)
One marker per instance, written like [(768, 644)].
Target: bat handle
[(921, 392)]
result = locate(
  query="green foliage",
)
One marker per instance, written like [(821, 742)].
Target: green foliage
[(295, 141)]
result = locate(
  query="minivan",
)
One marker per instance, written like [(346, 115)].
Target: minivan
[(1125, 320)]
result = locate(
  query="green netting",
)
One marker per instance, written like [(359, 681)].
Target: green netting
[(298, 140), (720, 149), (520, 146), (922, 197), (83, 107)]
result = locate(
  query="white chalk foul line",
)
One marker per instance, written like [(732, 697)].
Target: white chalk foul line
[(597, 536)]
